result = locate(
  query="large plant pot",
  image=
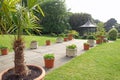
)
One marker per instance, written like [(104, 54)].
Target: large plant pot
[(4, 51), (71, 52), (91, 42), (86, 46), (49, 63), (47, 42), (59, 40), (40, 77), (34, 45)]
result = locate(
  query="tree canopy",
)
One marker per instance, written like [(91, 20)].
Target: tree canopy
[(55, 19), (78, 19), (111, 22)]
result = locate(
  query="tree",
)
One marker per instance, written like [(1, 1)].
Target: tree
[(78, 19), (55, 19), (22, 18), (111, 22)]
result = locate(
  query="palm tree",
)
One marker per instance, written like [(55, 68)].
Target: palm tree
[(21, 18)]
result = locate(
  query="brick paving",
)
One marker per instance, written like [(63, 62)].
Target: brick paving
[(35, 56)]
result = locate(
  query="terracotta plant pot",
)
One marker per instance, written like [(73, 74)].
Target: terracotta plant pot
[(101, 37), (40, 77), (47, 42), (70, 37), (86, 46), (65, 39), (98, 41), (49, 63), (4, 51)]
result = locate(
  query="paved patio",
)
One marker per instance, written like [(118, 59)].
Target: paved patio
[(35, 56)]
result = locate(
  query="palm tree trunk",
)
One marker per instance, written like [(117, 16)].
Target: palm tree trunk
[(20, 67)]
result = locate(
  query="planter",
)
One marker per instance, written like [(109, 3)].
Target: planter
[(4, 51), (47, 42), (34, 45), (59, 40), (40, 77), (98, 41), (71, 52), (70, 37), (65, 39), (102, 38), (91, 42), (49, 63), (86, 46)]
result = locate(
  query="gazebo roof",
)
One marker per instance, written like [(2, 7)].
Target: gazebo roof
[(88, 24)]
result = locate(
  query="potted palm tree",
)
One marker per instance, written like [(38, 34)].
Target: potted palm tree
[(71, 50), (49, 60), (21, 18)]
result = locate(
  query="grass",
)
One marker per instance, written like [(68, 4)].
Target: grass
[(99, 63), (7, 40)]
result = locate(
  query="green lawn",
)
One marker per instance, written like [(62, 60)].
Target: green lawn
[(99, 63), (7, 40)]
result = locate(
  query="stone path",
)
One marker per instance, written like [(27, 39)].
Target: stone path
[(35, 56)]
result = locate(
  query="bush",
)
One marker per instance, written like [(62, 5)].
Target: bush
[(91, 37), (112, 34), (74, 33), (49, 56), (72, 46)]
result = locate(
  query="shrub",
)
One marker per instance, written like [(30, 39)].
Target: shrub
[(49, 56), (91, 37), (86, 43), (72, 46), (112, 34), (53, 34), (74, 33)]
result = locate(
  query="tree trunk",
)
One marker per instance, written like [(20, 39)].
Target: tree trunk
[(20, 67)]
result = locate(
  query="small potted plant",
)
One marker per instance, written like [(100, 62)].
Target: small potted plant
[(91, 40), (71, 50), (98, 40), (49, 60), (34, 45), (70, 36), (47, 42), (60, 38), (65, 38), (86, 46), (4, 50)]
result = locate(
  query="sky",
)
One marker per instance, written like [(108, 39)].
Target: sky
[(99, 9)]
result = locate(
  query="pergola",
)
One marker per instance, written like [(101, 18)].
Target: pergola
[(87, 28)]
